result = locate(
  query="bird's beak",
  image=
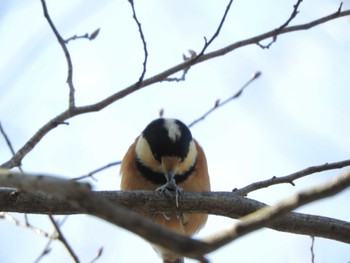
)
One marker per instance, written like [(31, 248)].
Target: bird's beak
[(169, 175), (169, 164)]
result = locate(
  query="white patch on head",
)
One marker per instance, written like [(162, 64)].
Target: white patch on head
[(174, 131)]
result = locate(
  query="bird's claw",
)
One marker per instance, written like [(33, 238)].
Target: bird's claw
[(171, 186)]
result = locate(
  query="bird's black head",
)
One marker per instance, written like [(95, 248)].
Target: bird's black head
[(168, 137), (165, 150)]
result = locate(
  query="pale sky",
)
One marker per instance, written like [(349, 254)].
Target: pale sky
[(294, 116)]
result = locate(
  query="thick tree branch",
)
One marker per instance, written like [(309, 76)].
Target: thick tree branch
[(64, 116), (81, 196), (230, 205)]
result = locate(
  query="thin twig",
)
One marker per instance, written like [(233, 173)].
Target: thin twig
[(62, 42), (182, 78), (27, 225), (194, 57), (142, 36), (45, 252), (193, 54), (219, 104), (98, 255), (64, 116), (90, 174), (47, 248), (217, 32), (63, 239), (87, 36), (259, 38), (279, 29), (312, 249), (291, 177), (9, 144)]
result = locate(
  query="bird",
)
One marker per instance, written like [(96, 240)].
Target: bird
[(166, 158)]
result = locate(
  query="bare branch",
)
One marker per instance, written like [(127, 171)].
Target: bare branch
[(47, 248), (8, 142), (90, 174), (340, 7), (312, 249), (61, 118), (230, 205), (279, 29), (268, 214), (259, 38), (291, 177), (25, 224), (66, 53), (98, 255), (217, 32), (58, 235), (90, 37), (81, 196), (194, 57), (142, 36), (218, 104), (45, 252), (182, 78), (16, 160), (63, 239)]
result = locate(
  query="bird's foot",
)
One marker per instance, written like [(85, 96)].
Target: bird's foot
[(171, 186)]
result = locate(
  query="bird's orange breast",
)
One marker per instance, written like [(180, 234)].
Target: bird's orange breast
[(198, 180)]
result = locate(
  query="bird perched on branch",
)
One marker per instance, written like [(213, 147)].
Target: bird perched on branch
[(166, 158)]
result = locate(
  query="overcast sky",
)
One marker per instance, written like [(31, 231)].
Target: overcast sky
[(294, 116)]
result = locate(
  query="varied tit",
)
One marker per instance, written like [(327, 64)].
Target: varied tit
[(165, 157)]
